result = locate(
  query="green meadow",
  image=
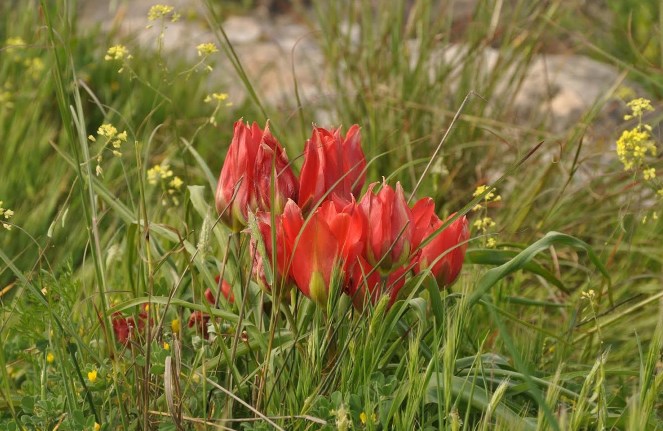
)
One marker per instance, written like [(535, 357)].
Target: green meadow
[(110, 233)]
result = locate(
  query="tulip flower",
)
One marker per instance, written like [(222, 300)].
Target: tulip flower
[(333, 167), (365, 284), (123, 327), (225, 289), (390, 227), (281, 278), (322, 246), (445, 253), (255, 165)]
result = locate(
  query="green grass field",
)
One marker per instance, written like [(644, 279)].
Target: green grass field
[(556, 321)]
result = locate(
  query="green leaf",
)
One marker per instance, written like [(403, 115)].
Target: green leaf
[(520, 261), (500, 257)]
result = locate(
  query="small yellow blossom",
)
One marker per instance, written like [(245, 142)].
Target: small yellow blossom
[(638, 107), (50, 357), (97, 426), (205, 49), (654, 215), (649, 174), (589, 295), (484, 223), (216, 96), (35, 67), (175, 325), (363, 417), (92, 138), (117, 52), (632, 147), (159, 172), (660, 192), (92, 375), (166, 346), (107, 130), (14, 42), (159, 11), (6, 213), (491, 243), (176, 183)]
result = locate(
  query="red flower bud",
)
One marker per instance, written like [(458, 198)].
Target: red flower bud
[(389, 229), (328, 241), (445, 253), (253, 157), (333, 166)]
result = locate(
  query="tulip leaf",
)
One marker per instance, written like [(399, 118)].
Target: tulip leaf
[(519, 261), (500, 257)]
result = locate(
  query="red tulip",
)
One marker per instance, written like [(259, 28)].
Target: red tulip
[(225, 289), (273, 174), (123, 327), (282, 254), (325, 244), (333, 166), (390, 227), (365, 284), (247, 172), (200, 320), (445, 253)]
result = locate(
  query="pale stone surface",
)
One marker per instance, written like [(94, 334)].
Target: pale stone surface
[(557, 88)]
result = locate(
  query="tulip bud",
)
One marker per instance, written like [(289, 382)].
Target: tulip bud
[(333, 167), (390, 227), (445, 253), (253, 158)]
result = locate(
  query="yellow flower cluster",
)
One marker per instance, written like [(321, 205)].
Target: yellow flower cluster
[(34, 65), (163, 174), (634, 144), (112, 137), (638, 107), (117, 52), (161, 11), (12, 44), (219, 98), (205, 49), (484, 223), (632, 147), (5, 214)]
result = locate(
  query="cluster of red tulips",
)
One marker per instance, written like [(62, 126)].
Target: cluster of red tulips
[(320, 230)]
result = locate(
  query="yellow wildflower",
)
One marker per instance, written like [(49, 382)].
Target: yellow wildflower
[(50, 357), (638, 107), (491, 243), (175, 325), (97, 427), (117, 52), (363, 417), (205, 49), (176, 183), (166, 346), (92, 375), (159, 11), (632, 147), (107, 130), (6, 213), (649, 174)]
